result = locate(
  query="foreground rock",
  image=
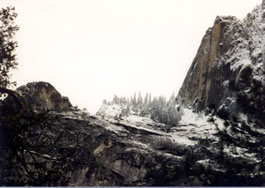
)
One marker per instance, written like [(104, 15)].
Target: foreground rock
[(42, 96), (72, 148)]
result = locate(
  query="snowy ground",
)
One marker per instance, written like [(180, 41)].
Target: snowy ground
[(191, 127), (150, 136)]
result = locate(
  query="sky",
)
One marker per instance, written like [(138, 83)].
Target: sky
[(90, 50)]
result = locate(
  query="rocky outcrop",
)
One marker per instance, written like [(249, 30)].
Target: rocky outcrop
[(72, 148), (226, 79), (227, 74), (42, 96), (206, 80)]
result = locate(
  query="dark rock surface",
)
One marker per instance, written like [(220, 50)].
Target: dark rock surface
[(207, 76), (227, 74), (72, 148), (42, 96)]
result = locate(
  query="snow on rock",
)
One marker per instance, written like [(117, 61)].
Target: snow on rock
[(192, 127), (109, 111), (115, 128), (220, 124), (75, 114), (139, 120), (205, 136), (182, 140), (239, 152), (189, 117)]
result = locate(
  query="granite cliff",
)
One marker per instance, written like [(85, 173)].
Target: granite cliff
[(227, 74), (205, 81)]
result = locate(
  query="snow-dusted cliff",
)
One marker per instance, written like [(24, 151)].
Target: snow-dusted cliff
[(230, 55), (227, 75)]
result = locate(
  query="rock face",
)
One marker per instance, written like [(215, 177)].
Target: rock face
[(205, 81), (227, 79), (72, 148), (42, 96), (227, 74)]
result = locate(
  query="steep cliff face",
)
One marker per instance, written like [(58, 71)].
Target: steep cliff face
[(227, 78), (206, 80), (227, 73)]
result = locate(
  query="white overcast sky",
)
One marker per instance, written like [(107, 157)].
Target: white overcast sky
[(92, 49)]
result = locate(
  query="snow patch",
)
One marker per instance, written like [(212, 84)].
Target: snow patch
[(219, 123), (114, 128), (237, 152), (182, 140), (189, 117), (139, 120), (243, 117), (109, 111), (243, 61)]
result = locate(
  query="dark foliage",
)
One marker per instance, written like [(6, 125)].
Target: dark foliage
[(158, 108), (8, 45)]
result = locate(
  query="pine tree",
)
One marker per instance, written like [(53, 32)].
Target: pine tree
[(127, 111), (146, 99), (134, 100), (105, 102), (8, 60), (149, 98), (139, 101), (159, 108), (116, 100)]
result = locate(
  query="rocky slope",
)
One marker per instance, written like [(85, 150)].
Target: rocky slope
[(223, 143), (73, 148)]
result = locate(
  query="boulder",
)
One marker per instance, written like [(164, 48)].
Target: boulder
[(42, 96)]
